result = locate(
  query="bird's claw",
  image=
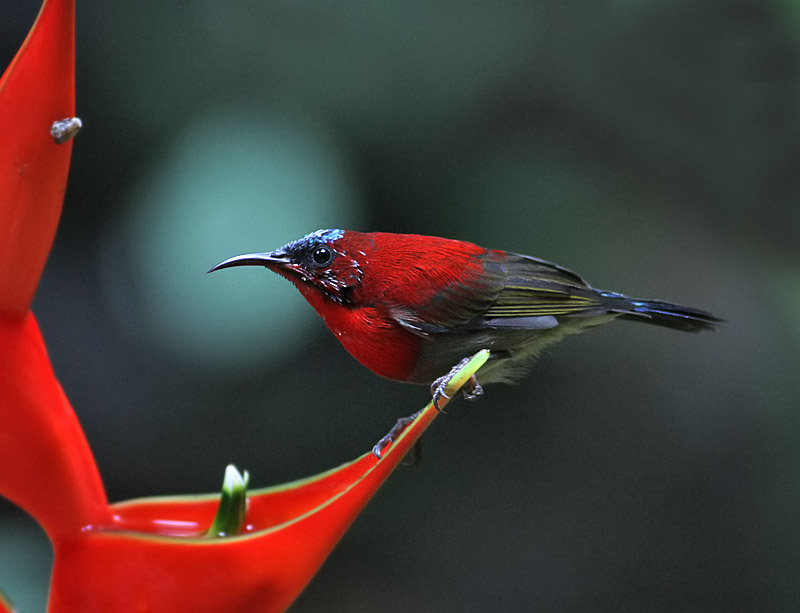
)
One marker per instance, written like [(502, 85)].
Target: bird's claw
[(437, 392), (382, 444), (472, 390), (396, 430)]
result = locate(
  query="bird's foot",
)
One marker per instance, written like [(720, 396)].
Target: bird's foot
[(472, 390), (396, 430)]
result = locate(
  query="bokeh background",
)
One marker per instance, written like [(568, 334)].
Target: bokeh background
[(653, 146)]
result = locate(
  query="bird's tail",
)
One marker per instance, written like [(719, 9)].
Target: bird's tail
[(661, 313)]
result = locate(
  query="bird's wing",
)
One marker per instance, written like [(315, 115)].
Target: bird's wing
[(536, 289), (510, 291)]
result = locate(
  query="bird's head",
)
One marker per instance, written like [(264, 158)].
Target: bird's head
[(322, 261)]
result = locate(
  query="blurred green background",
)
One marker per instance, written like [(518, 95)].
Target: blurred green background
[(652, 146)]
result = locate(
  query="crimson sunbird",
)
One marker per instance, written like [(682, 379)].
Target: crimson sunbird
[(410, 307)]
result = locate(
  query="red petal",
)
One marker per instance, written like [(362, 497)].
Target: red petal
[(37, 89), (47, 467)]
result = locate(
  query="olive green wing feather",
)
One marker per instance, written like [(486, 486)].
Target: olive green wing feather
[(536, 289)]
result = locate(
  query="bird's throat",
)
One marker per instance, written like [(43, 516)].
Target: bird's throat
[(372, 337)]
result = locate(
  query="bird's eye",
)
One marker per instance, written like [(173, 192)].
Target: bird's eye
[(322, 256)]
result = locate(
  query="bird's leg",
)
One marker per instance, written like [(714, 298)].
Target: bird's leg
[(401, 425), (472, 390)]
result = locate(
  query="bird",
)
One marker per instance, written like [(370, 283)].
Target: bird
[(414, 308)]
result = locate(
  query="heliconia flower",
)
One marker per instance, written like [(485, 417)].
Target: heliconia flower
[(250, 551)]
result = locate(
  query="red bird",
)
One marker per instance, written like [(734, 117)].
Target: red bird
[(411, 307)]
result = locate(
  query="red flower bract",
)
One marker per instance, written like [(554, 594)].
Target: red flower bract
[(150, 554), (37, 89)]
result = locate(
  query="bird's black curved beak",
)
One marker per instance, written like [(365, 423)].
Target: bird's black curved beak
[(273, 260)]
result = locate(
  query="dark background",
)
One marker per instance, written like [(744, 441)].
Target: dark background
[(652, 146)]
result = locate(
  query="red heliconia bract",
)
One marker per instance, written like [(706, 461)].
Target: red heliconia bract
[(37, 89), (47, 467), (143, 555)]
